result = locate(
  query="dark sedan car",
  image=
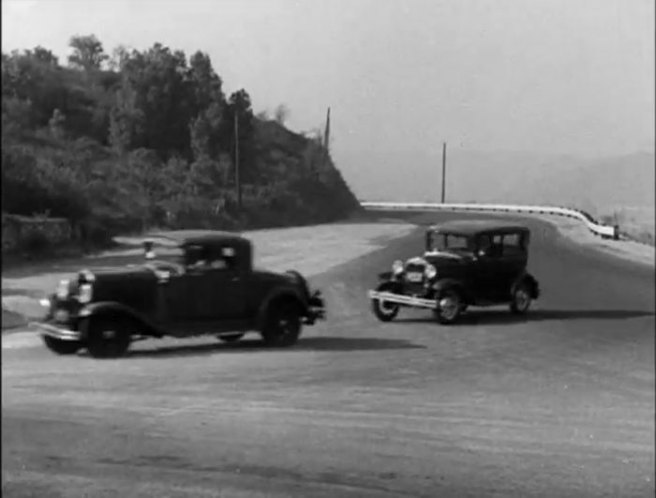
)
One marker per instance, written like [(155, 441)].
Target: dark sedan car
[(203, 283), (465, 263)]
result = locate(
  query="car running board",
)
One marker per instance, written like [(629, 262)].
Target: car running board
[(416, 302)]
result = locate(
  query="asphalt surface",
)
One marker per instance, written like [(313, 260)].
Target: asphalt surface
[(560, 403)]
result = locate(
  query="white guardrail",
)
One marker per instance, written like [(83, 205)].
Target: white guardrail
[(595, 227)]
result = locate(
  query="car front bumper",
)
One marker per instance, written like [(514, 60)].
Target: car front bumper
[(316, 309), (57, 331), (55, 323), (415, 302)]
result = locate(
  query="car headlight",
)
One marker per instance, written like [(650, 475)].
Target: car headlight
[(397, 267), (431, 271), (87, 276), (62, 289), (86, 293)]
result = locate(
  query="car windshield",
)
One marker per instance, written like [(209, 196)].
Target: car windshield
[(166, 250), (448, 242)]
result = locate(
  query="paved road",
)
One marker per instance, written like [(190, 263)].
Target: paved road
[(559, 404)]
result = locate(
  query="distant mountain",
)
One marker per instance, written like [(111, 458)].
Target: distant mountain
[(523, 177), (619, 181)]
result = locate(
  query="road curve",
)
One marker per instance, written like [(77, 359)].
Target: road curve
[(558, 404)]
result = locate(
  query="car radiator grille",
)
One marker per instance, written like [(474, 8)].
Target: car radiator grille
[(416, 288)]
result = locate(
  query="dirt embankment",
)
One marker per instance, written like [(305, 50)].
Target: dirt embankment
[(625, 249)]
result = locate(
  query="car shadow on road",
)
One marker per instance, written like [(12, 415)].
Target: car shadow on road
[(341, 344), (502, 317)]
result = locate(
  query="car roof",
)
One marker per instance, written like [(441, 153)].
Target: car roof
[(202, 237), (473, 227)]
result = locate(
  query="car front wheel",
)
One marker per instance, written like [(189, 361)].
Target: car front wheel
[(283, 324), (521, 300), (60, 347), (385, 311), (449, 307), (107, 338)]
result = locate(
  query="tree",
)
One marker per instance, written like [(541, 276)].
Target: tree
[(158, 78), (126, 120), (88, 53), (205, 132), (33, 76), (205, 83), (46, 56), (119, 57), (56, 124), (16, 116)]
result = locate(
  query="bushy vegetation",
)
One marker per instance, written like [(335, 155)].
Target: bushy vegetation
[(146, 139)]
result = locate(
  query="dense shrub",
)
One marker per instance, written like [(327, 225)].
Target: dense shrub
[(151, 142), (35, 243)]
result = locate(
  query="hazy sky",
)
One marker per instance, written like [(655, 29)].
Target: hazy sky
[(567, 76)]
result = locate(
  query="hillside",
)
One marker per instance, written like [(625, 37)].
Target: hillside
[(619, 181), (147, 139), (593, 184)]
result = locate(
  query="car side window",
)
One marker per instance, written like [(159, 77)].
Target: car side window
[(490, 245), (202, 259), (196, 257), (218, 264), (222, 258), (497, 246), (512, 244), (486, 246)]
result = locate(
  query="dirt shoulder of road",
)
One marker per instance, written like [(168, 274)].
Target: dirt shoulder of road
[(310, 250), (625, 249)]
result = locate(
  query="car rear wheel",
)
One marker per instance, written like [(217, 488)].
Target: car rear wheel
[(230, 338), (283, 324), (385, 311), (107, 338), (60, 347), (521, 299), (449, 307)]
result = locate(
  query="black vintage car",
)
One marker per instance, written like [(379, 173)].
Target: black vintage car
[(466, 263), (203, 282)]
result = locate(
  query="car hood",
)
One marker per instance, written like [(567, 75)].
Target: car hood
[(132, 285), (441, 260), (268, 274), (110, 273)]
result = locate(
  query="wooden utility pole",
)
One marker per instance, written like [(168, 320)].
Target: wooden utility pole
[(326, 134), (443, 172), (237, 176)]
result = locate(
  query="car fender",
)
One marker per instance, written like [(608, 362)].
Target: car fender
[(285, 292), (114, 309), (450, 283), (390, 285), (531, 281), (301, 281)]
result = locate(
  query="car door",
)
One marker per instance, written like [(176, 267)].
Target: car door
[(504, 264), (513, 260), (177, 304), (486, 274), (217, 289)]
